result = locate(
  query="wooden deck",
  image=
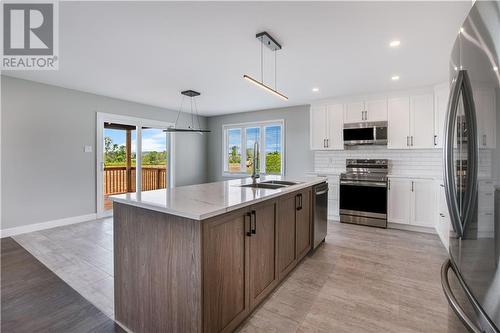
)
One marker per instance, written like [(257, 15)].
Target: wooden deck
[(120, 179)]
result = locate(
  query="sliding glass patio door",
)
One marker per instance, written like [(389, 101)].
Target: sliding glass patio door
[(132, 154)]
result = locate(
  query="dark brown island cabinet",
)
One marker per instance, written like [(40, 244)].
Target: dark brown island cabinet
[(174, 274)]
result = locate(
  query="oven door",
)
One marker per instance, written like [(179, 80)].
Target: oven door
[(363, 198)]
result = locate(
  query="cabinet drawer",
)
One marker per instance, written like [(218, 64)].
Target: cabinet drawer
[(485, 223), (486, 186), (486, 201)]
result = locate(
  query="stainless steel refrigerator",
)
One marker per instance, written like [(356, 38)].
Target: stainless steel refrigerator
[(471, 157)]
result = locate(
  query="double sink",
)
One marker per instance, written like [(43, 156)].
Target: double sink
[(271, 184)]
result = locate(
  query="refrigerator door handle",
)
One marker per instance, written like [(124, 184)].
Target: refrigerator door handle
[(460, 84), (472, 151), (469, 324)]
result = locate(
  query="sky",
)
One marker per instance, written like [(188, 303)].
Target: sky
[(152, 139), (273, 137)]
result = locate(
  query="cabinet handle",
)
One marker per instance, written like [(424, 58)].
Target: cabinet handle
[(441, 214), (324, 143), (411, 140), (249, 232), (407, 141), (484, 139), (412, 186), (388, 184), (254, 229), (435, 140), (298, 202), (327, 143)]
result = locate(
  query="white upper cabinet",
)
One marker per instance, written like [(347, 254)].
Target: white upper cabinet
[(318, 130), (484, 100), (411, 122), (370, 110), (398, 123), (441, 95), (422, 121), (335, 121), (376, 110), (326, 132), (354, 112)]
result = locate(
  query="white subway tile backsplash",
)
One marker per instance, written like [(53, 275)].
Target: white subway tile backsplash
[(427, 163)]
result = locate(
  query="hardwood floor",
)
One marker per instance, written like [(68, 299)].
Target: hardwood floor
[(34, 299), (361, 280)]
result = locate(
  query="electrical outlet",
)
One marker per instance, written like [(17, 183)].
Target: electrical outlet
[(87, 149)]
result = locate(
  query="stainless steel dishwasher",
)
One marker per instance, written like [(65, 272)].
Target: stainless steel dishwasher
[(320, 213)]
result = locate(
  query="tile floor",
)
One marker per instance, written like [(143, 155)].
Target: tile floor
[(361, 280), (80, 254)]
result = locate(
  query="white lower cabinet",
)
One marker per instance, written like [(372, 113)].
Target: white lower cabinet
[(443, 225), (424, 203), (486, 209), (412, 201), (333, 198), (398, 201)]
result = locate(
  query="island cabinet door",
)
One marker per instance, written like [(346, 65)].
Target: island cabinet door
[(263, 251), (303, 223), (286, 234), (226, 271)]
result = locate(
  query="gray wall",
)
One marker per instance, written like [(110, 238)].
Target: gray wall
[(298, 156), (45, 173)]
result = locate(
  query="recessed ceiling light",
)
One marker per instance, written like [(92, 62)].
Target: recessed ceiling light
[(495, 68), (315, 89), (394, 43), (395, 77)]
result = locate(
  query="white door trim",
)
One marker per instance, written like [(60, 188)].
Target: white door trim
[(101, 118)]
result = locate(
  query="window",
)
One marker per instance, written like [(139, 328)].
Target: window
[(239, 140)]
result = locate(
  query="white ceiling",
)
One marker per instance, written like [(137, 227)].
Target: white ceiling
[(149, 52)]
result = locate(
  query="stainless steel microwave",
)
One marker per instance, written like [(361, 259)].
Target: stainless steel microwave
[(365, 133)]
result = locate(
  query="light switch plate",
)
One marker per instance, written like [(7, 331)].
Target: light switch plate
[(87, 149)]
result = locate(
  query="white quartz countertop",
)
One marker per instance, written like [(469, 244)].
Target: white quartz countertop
[(203, 201)]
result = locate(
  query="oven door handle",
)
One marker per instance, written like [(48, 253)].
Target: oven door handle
[(363, 183)]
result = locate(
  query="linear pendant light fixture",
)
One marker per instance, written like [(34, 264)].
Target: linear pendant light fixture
[(270, 42), (190, 129)]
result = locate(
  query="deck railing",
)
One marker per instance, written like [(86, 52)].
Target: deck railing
[(117, 178)]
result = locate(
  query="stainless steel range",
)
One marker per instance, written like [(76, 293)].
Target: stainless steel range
[(363, 192)]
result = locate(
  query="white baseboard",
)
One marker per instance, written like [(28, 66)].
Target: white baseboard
[(46, 225), (408, 227)]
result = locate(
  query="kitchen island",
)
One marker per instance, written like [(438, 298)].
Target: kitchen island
[(201, 258)]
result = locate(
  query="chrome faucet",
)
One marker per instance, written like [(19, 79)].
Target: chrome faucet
[(256, 162)]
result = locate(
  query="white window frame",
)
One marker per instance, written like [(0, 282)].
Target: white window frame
[(101, 118), (243, 126)]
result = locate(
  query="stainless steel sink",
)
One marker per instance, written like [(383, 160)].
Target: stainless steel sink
[(265, 185), (280, 182)]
